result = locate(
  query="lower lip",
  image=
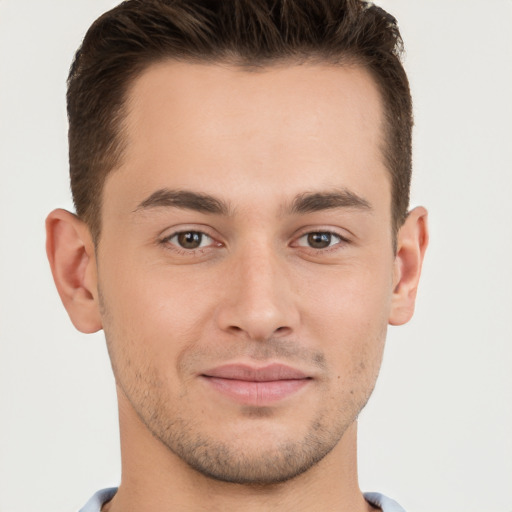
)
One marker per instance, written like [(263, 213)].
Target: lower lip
[(256, 393)]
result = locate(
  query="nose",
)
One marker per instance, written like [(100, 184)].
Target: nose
[(259, 300)]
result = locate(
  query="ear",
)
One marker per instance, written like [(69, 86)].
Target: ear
[(71, 254), (411, 245)]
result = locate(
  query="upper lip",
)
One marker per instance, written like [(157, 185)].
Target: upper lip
[(271, 372)]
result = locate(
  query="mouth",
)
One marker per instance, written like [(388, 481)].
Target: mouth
[(250, 385)]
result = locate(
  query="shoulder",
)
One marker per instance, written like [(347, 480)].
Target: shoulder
[(379, 500), (383, 502), (99, 499)]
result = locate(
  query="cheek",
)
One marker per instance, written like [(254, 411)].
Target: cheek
[(152, 315), (354, 297), (348, 317)]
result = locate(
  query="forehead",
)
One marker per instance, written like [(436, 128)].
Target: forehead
[(288, 127)]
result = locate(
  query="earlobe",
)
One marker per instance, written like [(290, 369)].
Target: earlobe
[(411, 246), (70, 251)]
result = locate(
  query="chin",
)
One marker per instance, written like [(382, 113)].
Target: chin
[(271, 458)]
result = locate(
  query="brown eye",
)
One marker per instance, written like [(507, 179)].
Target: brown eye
[(319, 240), (189, 239)]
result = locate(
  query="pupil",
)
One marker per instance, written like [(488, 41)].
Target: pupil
[(189, 239), (319, 240)]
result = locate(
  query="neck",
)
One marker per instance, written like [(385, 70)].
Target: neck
[(154, 478)]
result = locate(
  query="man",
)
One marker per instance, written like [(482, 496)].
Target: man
[(240, 171)]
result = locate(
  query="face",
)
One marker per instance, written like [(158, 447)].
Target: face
[(245, 267)]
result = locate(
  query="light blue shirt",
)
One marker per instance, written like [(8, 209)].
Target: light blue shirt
[(375, 498)]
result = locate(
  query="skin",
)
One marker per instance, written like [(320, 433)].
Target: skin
[(255, 291)]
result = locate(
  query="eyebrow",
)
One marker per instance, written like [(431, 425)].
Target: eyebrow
[(307, 202), (318, 201), (186, 200)]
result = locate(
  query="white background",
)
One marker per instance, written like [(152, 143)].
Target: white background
[(437, 434)]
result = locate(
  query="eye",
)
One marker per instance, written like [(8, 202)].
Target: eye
[(319, 240), (190, 240)]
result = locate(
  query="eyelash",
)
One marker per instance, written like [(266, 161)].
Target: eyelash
[(336, 246), (169, 245)]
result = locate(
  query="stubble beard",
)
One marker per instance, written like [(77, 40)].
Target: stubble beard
[(232, 462), (229, 463)]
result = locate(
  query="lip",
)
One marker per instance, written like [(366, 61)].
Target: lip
[(257, 386)]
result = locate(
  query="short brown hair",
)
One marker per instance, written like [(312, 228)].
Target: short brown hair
[(123, 42)]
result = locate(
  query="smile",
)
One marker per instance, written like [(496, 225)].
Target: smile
[(256, 386)]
